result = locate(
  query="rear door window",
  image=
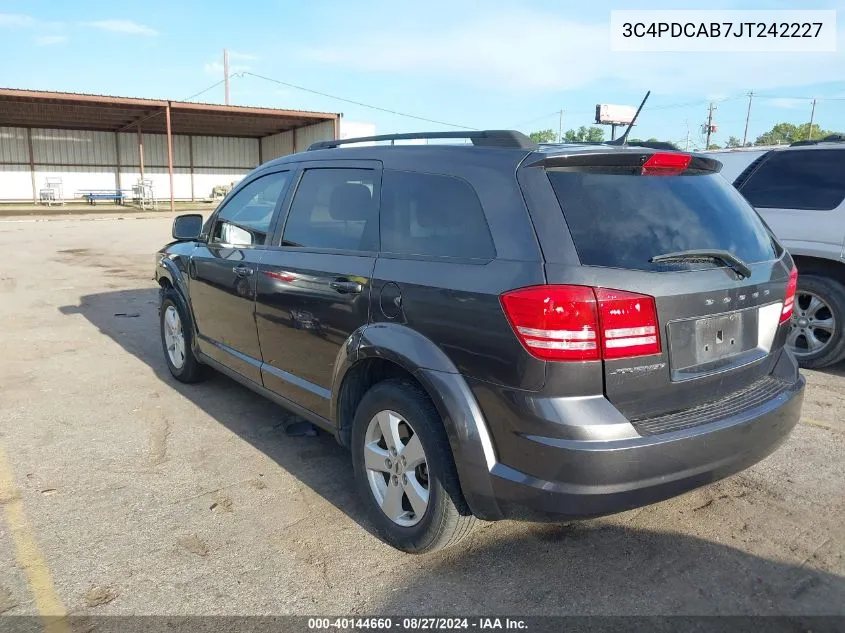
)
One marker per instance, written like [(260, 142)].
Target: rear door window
[(432, 215), (811, 179), (622, 221)]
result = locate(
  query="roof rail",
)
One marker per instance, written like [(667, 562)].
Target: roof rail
[(485, 138)]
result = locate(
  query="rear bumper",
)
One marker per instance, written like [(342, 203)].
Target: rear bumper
[(598, 478), (594, 462)]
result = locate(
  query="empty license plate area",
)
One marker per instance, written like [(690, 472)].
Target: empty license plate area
[(718, 337), (712, 342)]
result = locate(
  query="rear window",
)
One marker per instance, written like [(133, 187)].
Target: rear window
[(812, 180), (622, 221)]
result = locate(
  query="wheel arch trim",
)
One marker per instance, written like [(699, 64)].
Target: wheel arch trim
[(469, 436)]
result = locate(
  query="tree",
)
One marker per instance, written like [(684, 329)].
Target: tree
[(652, 140), (714, 146), (733, 142), (592, 134), (543, 136), (789, 133)]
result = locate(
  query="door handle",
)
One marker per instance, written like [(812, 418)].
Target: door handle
[(243, 271), (346, 287)]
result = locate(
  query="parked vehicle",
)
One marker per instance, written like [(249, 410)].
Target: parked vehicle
[(505, 331), (799, 190)]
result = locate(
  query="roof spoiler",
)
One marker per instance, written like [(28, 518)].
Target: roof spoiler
[(481, 138)]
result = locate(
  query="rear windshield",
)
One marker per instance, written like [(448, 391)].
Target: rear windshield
[(622, 221)]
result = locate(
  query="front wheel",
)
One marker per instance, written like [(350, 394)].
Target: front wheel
[(404, 469), (176, 339), (817, 332)]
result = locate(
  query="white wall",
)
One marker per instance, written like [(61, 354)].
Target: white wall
[(90, 160), (15, 182), (74, 179)]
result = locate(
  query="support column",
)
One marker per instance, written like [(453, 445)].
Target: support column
[(293, 144), (260, 151), (117, 160), (169, 154), (191, 165), (32, 165), (140, 152)]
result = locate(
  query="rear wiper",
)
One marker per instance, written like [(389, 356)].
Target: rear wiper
[(726, 257)]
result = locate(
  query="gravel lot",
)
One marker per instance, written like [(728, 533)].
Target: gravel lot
[(125, 492)]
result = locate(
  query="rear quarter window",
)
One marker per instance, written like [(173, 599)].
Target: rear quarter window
[(622, 221), (432, 215), (811, 179)]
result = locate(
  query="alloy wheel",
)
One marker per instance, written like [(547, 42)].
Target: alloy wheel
[(397, 468), (174, 337), (813, 325)]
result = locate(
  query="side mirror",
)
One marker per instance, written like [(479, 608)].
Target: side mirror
[(187, 227)]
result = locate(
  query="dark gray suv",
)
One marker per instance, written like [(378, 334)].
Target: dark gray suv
[(496, 330)]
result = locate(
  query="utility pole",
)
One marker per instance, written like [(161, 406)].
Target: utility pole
[(710, 109), (226, 73), (812, 116), (747, 117), (686, 149), (560, 128)]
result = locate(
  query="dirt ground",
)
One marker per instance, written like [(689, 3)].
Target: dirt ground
[(124, 492)]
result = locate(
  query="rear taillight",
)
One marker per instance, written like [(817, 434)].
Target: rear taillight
[(789, 300), (666, 164), (554, 322), (628, 324), (572, 323)]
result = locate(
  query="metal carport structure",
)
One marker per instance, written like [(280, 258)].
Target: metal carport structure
[(276, 131)]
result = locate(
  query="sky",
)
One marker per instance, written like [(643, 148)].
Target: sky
[(487, 64)]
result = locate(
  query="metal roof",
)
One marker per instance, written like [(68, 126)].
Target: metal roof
[(65, 110)]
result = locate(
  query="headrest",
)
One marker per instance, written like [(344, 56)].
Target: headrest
[(350, 202)]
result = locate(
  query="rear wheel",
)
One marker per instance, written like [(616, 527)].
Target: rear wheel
[(404, 469), (818, 318)]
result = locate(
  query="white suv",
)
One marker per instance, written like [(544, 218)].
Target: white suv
[(799, 191)]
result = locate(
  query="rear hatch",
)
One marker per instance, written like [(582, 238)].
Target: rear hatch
[(690, 287)]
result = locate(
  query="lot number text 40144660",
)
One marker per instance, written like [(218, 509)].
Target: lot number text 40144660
[(416, 624)]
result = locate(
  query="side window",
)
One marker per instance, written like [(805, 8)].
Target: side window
[(811, 179), (334, 208), (245, 220), (427, 214)]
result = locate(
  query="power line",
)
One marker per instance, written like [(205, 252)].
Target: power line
[(357, 103), (214, 85), (800, 98)]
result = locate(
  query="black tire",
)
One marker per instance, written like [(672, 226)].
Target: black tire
[(447, 518), (191, 370), (833, 294)]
